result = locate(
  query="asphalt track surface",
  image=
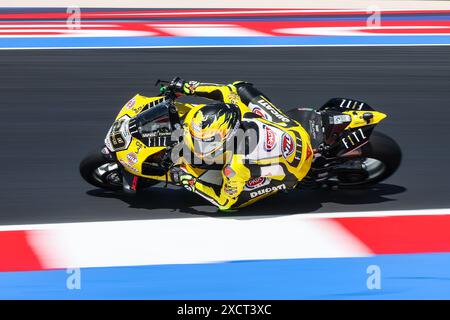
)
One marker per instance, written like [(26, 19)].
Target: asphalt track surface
[(57, 105)]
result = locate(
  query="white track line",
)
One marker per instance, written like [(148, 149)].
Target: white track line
[(233, 46), (223, 216), (203, 240)]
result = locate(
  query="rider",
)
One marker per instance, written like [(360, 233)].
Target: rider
[(277, 158)]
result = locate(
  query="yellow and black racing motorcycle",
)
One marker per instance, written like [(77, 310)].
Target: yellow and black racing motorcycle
[(347, 151)]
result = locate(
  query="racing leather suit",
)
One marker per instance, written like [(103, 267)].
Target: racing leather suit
[(248, 176)]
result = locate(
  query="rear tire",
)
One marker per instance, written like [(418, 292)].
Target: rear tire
[(383, 149)]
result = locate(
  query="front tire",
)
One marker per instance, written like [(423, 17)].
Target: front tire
[(91, 171)]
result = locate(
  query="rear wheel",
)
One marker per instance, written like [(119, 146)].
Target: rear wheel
[(380, 158)]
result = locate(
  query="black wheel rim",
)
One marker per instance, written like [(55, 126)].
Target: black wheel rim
[(373, 168), (108, 174)]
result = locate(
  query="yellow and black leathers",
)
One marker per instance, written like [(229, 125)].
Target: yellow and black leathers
[(281, 157)]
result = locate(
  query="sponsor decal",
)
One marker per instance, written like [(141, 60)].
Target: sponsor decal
[(287, 145), (273, 110), (351, 104), (353, 139), (260, 112), (230, 190), (132, 158), (255, 183), (125, 164), (267, 190), (270, 141), (137, 109), (155, 134), (130, 104), (157, 141), (339, 119)]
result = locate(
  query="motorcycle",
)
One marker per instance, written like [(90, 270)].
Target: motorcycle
[(348, 153)]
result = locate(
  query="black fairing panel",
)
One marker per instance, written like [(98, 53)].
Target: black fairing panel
[(323, 127), (352, 139), (311, 121)]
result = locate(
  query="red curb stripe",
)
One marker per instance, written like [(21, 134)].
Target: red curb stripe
[(121, 14), (401, 234), (16, 254)]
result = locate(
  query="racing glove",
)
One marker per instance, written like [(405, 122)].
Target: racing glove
[(182, 178), (177, 85)]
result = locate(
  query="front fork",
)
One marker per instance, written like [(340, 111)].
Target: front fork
[(129, 181)]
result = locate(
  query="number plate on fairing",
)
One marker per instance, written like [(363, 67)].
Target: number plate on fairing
[(118, 137)]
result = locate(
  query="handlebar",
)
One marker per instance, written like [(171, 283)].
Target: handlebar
[(169, 88)]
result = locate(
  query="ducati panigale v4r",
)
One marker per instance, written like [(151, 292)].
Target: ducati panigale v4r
[(348, 153)]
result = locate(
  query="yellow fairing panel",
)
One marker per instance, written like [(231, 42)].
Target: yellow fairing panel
[(359, 121), (135, 155), (135, 105)]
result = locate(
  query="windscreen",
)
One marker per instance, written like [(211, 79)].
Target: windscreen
[(154, 121)]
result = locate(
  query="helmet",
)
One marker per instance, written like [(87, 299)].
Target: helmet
[(209, 128)]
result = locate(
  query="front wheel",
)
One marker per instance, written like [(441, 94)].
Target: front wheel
[(380, 158), (101, 173)]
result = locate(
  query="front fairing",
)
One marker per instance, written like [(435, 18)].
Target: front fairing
[(131, 152), (137, 104)]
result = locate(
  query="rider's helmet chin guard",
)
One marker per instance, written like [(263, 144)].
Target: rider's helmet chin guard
[(209, 128)]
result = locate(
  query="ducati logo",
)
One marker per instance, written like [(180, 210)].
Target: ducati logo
[(273, 110), (267, 190)]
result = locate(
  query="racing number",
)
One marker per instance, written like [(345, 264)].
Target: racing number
[(116, 137)]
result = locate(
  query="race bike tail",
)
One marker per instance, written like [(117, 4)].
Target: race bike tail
[(348, 153)]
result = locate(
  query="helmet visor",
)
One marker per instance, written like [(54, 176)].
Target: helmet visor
[(209, 145)]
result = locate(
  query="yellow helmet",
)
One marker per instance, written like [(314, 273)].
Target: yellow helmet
[(210, 127)]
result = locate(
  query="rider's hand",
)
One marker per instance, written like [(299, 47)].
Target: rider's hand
[(178, 85), (182, 178)]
